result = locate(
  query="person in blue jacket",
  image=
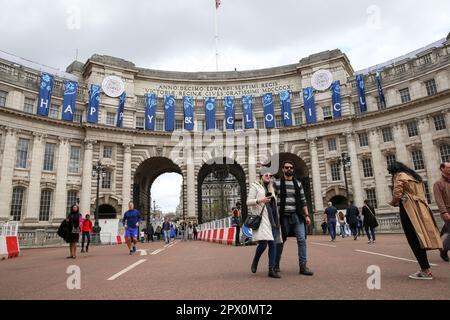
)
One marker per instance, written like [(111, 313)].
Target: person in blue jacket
[(131, 221)]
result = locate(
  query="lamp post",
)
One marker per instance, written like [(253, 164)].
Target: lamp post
[(97, 171), (346, 163)]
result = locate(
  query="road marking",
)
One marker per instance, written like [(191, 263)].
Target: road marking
[(387, 256), (156, 251), (143, 252), (134, 265), (323, 244)]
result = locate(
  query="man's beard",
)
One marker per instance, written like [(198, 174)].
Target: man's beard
[(289, 174)]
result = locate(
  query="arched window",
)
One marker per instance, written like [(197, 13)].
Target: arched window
[(17, 203), (46, 201)]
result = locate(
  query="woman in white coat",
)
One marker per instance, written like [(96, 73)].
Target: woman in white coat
[(268, 233)]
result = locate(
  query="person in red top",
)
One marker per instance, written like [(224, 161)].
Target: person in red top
[(87, 230)]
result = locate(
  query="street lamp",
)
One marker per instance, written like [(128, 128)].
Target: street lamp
[(346, 164), (97, 171)]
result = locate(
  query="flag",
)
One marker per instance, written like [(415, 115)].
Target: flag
[(230, 109), (121, 109), (70, 94), (169, 113), (94, 101), (45, 94), (310, 105), (336, 99), (269, 118), (217, 4), (188, 103), (150, 112), (361, 93), (380, 89), (247, 110), (286, 111), (210, 113)]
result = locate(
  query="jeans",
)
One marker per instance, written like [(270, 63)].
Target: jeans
[(354, 229), (182, 235), (300, 232), (88, 236), (262, 245), (372, 231), (342, 227), (332, 228), (446, 236), (167, 236)]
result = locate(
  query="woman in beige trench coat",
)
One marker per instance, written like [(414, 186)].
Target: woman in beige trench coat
[(416, 217)]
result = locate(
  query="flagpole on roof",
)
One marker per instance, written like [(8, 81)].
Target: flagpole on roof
[(216, 37)]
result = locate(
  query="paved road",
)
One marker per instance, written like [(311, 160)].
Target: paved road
[(199, 270)]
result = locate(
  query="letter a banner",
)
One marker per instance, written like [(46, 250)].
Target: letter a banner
[(70, 95)]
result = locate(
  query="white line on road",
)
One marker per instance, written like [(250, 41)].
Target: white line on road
[(323, 244), (387, 256), (156, 251), (134, 265)]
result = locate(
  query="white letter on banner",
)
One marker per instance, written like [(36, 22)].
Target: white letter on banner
[(230, 120), (44, 103), (286, 115), (310, 112), (269, 117), (121, 116), (188, 120), (337, 107), (93, 110), (247, 119), (68, 109), (150, 119), (362, 102)]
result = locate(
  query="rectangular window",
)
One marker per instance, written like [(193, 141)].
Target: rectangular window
[(381, 104), (78, 116), (439, 122), (332, 145), (140, 122), (54, 111), (74, 160), (110, 119), (335, 171), (72, 198), (279, 122), (387, 134), (367, 168), (159, 125), (372, 197), (327, 114), (431, 87), (400, 69), (426, 59), (356, 108), (22, 153), (390, 159), (404, 95), (260, 123), (298, 118), (3, 95), (427, 191), (16, 203), (49, 156), (28, 105), (219, 125), (413, 131), (363, 139), (417, 160), (107, 152), (238, 124), (178, 124), (46, 200), (444, 151), (106, 180)]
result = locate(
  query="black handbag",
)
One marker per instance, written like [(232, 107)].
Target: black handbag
[(253, 221)]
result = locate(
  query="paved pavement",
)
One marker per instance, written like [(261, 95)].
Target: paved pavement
[(205, 271)]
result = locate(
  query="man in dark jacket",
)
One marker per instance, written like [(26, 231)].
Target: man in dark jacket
[(352, 219)]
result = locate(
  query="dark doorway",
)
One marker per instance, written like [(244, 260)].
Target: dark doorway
[(340, 202), (106, 211)]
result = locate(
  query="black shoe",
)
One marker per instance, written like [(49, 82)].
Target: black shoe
[(131, 252), (254, 267), (444, 255), (82, 250), (69, 257), (277, 269), (273, 273), (134, 249), (87, 249), (305, 271), (355, 237)]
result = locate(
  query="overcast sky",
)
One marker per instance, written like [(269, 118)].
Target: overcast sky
[(179, 35), (166, 192)]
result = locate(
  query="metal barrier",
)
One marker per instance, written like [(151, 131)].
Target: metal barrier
[(216, 224), (9, 229), (49, 238)]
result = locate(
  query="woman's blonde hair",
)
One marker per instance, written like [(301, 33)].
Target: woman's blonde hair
[(269, 187)]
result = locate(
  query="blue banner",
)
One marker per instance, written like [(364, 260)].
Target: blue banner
[(210, 113), (94, 102), (45, 94), (188, 103), (336, 99), (269, 113), (310, 105), (230, 112), (361, 93), (150, 112), (286, 111), (380, 88), (247, 110), (70, 95), (121, 109), (169, 113)]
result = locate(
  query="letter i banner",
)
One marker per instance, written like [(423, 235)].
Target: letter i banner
[(230, 111), (336, 99), (286, 111), (361, 93), (310, 105), (70, 95), (210, 113), (188, 106), (247, 110), (121, 109), (94, 102), (150, 112), (269, 117), (45, 94), (169, 113)]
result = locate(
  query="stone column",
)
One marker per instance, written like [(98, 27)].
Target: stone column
[(358, 196), (86, 182), (190, 184), (61, 180), (379, 169), (317, 185), (34, 190), (430, 154), (251, 164), (126, 187), (7, 172), (401, 154)]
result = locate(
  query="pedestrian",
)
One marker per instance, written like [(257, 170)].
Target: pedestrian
[(195, 232), (416, 217), (352, 215), (330, 213), (182, 231), (360, 226), (131, 221), (166, 230), (262, 201), (294, 215), (341, 220), (158, 232), (236, 221), (190, 231), (73, 234), (87, 230), (173, 231), (370, 221), (150, 233), (441, 190), (324, 226)]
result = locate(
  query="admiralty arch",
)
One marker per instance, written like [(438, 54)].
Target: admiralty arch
[(46, 162)]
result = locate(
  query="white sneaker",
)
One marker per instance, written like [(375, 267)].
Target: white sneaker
[(420, 275), (369, 242)]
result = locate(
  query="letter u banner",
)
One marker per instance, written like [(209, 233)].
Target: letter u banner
[(210, 113), (336, 99), (70, 95), (230, 111), (45, 94), (286, 111), (188, 106), (310, 105), (169, 113), (94, 102), (247, 110), (269, 113), (150, 112)]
